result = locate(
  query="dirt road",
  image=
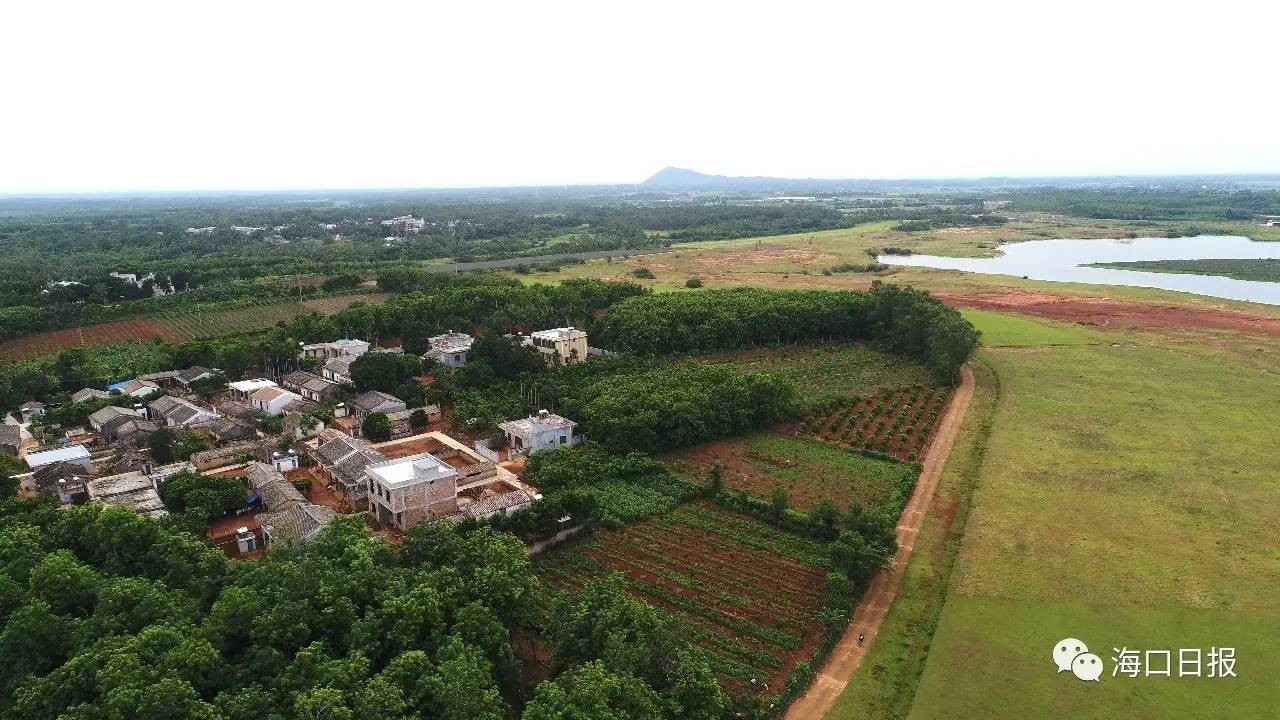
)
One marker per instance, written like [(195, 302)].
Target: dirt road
[(847, 654)]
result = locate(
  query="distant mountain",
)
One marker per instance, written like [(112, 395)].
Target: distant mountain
[(683, 178)]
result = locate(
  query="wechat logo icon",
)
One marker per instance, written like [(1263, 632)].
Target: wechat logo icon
[(1072, 654)]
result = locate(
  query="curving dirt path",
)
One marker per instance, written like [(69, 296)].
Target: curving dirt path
[(847, 655)]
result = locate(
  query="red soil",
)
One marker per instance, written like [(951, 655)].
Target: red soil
[(1104, 312), (46, 343)]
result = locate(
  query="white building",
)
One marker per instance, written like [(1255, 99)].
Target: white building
[(539, 432), (560, 346), (337, 348), (242, 389), (271, 400), (72, 454), (451, 348), (337, 370)]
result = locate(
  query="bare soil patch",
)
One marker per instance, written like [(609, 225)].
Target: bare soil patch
[(1108, 313)]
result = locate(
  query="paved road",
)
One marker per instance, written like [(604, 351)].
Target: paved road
[(870, 613)]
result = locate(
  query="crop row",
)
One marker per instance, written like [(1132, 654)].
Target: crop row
[(897, 424)]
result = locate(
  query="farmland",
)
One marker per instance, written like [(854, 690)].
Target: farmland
[(338, 303), (896, 423), (808, 470), (223, 322), (180, 325), (47, 343), (744, 592)]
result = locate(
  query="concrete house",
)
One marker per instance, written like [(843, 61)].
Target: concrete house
[(177, 412), (560, 346), (539, 432), (272, 400), (240, 390), (337, 348), (409, 490), (337, 370), (451, 349)]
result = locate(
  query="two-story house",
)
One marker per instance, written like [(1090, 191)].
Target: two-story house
[(560, 346), (451, 349), (409, 490)]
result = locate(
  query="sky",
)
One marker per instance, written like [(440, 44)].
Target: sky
[(275, 94)]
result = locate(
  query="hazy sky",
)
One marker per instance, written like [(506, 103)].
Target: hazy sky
[(270, 94)]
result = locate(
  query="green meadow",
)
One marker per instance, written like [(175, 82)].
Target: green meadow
[(1122, 488)]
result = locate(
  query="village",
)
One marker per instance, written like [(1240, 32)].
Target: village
[(307, 445)]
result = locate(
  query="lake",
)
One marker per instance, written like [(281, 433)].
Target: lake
[(1063, 261)]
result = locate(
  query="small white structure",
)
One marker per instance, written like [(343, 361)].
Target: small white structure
[(246, 541), (539, 432), (560, 346), (72, 454), (242, 389), (284, 462), (271, 400), (450, 349)]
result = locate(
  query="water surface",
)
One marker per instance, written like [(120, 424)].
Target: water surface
[(1064, 261)]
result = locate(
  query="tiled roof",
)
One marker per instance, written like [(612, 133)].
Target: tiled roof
[(377, 401), (193, 373), (299, 521), (10, 434), (494, 503)]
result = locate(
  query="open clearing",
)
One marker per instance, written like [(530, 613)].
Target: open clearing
[(745, 592)]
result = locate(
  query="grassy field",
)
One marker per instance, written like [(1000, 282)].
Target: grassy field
[(1127, 497), (1260, 270), (833, 368), (1003, 330), (746, 593)]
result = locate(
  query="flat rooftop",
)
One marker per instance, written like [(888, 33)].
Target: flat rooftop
[(423, 467)]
